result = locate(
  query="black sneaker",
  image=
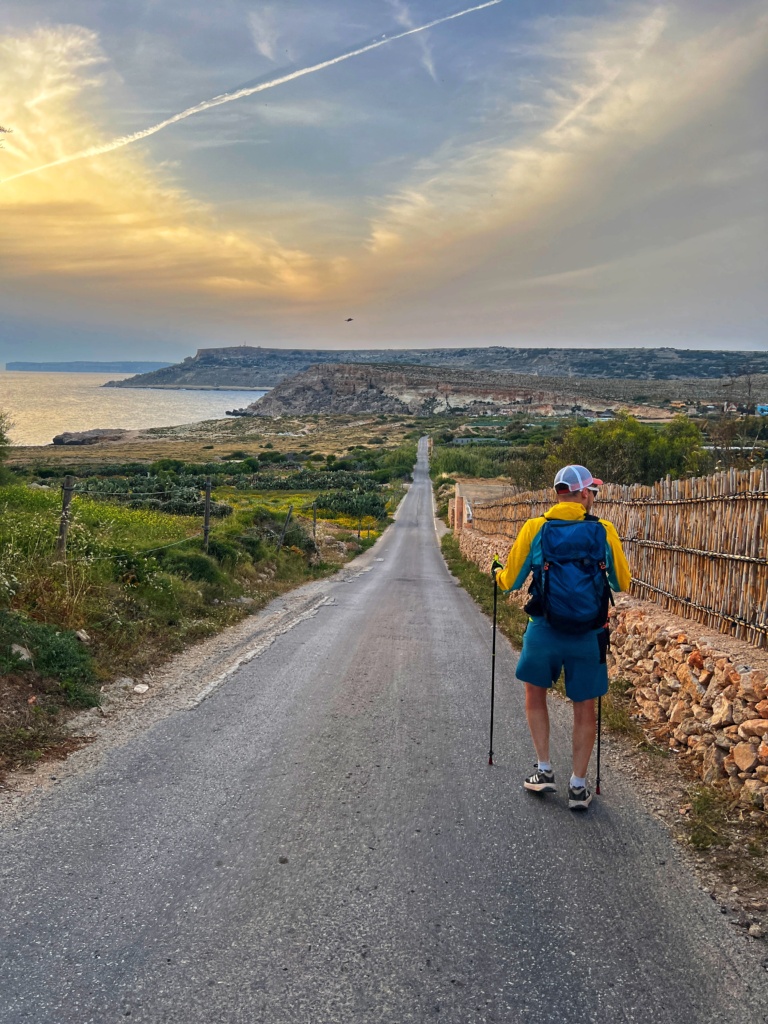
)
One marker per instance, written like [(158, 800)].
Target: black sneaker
[(541, 782), (579, 799)]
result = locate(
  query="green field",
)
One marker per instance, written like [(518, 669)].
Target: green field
[(136, 581)]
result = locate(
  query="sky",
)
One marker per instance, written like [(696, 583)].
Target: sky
[(522, 172)]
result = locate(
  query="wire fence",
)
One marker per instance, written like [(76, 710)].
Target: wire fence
[(698, 547)]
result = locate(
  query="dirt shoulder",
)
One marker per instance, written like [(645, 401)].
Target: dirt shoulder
[(180, 684)]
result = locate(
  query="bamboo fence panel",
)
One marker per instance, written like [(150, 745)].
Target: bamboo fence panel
[(698, 547)]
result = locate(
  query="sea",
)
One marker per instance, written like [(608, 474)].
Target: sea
[(41, 405)]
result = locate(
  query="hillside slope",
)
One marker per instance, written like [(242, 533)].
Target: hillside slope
[(255, 368), (426, 390)]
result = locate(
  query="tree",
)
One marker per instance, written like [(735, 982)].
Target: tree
[(680, 450), (5, 442), (736, 442), (528, 471), (625, 451)]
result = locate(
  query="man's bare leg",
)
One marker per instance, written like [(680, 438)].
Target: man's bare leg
[(584, 732), (537, 713)]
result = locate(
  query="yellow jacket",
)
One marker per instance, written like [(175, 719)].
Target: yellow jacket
[(527, 547)]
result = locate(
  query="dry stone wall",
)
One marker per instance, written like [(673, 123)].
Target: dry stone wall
[(704, 696), (707, 703)]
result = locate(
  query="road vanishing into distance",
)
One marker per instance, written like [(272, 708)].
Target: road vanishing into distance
[(321, 840)]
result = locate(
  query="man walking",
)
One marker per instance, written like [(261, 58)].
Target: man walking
[(574, 558)]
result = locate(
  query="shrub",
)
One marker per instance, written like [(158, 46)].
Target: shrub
[(5, 426), (297, 537), (168, 466), (225, 553), (353, 504), (469, 460), (131, 568), (56, 654), (193, 565), (255, 546)]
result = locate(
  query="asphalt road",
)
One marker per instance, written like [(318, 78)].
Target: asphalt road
[(321, 840)]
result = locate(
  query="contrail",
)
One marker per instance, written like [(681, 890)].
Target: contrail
[(239, 94)]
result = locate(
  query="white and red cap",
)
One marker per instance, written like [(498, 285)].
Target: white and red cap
[(575, 478)]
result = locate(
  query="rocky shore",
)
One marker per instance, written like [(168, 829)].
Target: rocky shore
[(96, 436)]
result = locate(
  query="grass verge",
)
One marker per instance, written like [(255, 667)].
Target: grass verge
[(510, 619), (707, 818), (620, 717), (138, 587)]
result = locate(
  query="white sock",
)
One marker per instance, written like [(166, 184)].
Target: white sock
[(544, 766), (577, 783)]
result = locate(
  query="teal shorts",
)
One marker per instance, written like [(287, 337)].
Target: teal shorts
[(546, 653)]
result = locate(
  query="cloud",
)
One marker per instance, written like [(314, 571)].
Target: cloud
[(238, 94), (117, 230), (263, 25), (311, 113), (403, 18), (616, 193), (647, 126)]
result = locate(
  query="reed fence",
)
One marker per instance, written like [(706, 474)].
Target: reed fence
[(698, 547)]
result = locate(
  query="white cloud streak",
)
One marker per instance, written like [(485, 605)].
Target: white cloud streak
[(230, 97), (403, 17), (264, 33)]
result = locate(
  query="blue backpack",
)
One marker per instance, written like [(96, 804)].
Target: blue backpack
[(570, 586)]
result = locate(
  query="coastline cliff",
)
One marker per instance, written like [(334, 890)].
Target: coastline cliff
[(256, 368)]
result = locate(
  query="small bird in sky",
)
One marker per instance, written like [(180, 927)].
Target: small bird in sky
[(349, 320)]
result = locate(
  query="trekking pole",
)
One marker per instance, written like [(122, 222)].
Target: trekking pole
[(599, 724), (493, 666), (600, 699)]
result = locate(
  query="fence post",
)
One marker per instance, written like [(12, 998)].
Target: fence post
[(207, 520), (67, 492), (285, 526)]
